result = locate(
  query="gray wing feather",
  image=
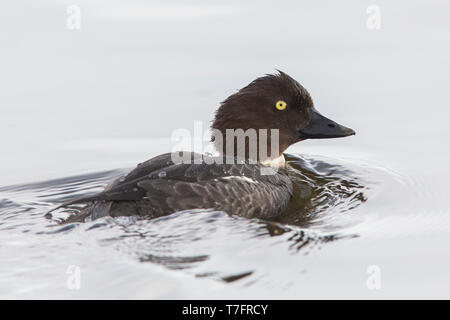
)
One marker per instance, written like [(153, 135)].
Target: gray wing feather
[(159, 186)]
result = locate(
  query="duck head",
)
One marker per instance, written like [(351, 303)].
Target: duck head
[(275, 102)]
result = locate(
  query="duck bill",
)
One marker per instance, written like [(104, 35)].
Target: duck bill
[(320, 127)]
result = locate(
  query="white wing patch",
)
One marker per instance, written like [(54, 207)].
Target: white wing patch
[(242, 178), (275, 163)]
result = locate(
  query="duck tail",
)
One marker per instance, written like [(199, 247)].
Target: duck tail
[(71, 202)]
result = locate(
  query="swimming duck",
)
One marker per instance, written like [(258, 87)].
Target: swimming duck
[(243, 186)]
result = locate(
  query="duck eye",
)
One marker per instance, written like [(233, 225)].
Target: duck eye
[(281, 105)]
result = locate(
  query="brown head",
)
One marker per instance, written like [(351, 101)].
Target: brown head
[(276, 102)]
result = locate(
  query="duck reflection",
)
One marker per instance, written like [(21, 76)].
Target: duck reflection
[(320, 189)]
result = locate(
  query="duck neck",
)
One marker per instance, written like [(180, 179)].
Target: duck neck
[(277, 162)]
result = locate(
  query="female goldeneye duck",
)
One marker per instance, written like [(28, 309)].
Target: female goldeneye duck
[(161, 186)]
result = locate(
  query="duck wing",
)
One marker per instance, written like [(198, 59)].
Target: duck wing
[(159, 186)]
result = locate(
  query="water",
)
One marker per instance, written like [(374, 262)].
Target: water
[(80, 108)]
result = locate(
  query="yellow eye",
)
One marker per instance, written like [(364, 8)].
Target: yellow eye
[(281, 105)]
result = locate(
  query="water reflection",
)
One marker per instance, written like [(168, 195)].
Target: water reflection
[(321, 189), (305, 240)]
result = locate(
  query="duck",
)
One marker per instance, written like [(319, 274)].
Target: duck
[(238, 180)]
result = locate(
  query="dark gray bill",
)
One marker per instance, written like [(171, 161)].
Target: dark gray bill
[(320, 127)]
